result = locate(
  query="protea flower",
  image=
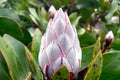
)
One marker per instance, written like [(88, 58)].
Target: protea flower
[(60, 45)]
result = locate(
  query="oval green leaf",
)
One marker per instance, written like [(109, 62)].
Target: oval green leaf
[(10, 59), (36, 44), (87, 54), (95, 68), (9, 26), (36, 72), (111, 66), (19, 53)]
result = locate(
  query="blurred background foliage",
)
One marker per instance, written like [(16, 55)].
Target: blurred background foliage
[(23, 22)]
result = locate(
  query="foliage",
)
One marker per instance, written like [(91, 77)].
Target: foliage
[(23, 22)]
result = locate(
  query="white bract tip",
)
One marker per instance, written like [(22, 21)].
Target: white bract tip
[(52, 10), (109, 35)]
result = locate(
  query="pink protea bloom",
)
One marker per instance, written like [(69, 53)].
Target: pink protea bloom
[(60, 45)]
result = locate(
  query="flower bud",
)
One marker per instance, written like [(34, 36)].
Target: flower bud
[(60, 45), (115, 19), (109, 38)]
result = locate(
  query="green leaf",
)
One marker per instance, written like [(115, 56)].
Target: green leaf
[(87, 3), (33, 13), (35, 3), (4, 75), (36, 44), (18, 4), (61, 74), (113, 9), (26, 22), (9, 13), (10, 59), (19, 53), (104, 4), (36, 72), (95, 68), (97, 47), (74, 18), (59, 3), (111, 66), (13, 28), (33, 19), (40, 17), (87, 39), (26, 39), (43, 19), (115, 44), (87, 55)]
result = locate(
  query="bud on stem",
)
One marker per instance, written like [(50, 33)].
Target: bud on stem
[(108, 40)]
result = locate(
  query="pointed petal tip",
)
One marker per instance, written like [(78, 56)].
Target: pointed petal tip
[(61, 12), (60, 9), (52, 9), (109, 35)]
